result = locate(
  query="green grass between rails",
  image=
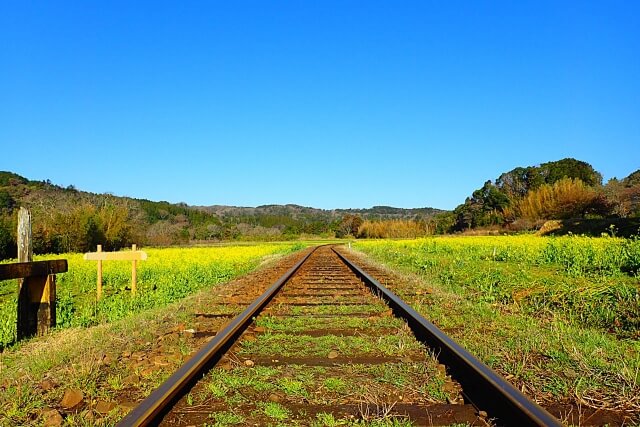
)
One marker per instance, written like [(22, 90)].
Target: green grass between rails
[(287, 345), (301, 324)]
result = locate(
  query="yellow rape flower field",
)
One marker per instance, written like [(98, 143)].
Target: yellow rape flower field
[(168, 275)]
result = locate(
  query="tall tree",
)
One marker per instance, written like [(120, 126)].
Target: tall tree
[(483, 208), (570, 168)]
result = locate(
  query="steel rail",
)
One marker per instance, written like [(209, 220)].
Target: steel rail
[(483, 387), (152, 409)]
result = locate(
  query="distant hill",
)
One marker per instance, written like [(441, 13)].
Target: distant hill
[(68, 219), (301, 212)]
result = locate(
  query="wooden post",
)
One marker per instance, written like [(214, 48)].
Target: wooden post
[(36, 294), (25, 250), (134, 255), (99, 279), (134, 272), (25, 254)]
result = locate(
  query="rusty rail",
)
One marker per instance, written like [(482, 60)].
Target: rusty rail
[(151, 410), (486, 389), (482, 386)]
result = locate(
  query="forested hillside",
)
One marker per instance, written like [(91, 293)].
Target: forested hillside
[(67, 219)]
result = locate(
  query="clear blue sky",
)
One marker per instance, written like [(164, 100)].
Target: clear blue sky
[(319, 103)]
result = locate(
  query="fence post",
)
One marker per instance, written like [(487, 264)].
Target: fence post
[(134, 272), (36, 295), (99, 279), (25, 254)]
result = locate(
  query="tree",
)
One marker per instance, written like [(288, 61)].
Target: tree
[(6, 201), (553, 172), (484, 207), (115, 224), (519, 181), (624, 195), (8, 247), (77, 229), (349, 225), (632, 180), (11, 179), (442, 223)]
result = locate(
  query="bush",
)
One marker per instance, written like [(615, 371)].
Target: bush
[(567, 198)]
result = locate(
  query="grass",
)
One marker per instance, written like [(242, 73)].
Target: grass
[(224, 418), (335, 385), (286, 345), (324, 385), (274, 410), (293, 388), (301, 324), (56, 358), (589, 281), (328, 420), (557, 316), (329, 309)]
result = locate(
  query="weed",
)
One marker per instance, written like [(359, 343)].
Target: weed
[(224, 418), (293, 387), (335, 385), (274, 410), (115, 382)]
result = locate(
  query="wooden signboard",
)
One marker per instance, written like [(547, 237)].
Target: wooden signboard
[(134, 256)]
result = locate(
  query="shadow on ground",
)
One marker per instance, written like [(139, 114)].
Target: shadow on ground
[(618, 227)]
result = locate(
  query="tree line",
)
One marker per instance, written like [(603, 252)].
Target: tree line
[(68, 220)]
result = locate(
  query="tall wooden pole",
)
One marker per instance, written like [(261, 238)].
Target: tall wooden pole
[(134, 272), (99, 279), (25, 249)]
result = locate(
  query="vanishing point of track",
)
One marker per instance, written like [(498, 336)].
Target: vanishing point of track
[(327, 338)]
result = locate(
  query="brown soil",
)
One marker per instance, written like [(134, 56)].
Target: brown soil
[(339, 360), (431, 415), (346, 332)]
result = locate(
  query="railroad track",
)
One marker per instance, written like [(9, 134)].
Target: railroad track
[(327, 343)]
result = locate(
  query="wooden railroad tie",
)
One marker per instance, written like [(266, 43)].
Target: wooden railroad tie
[(134, 256)]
